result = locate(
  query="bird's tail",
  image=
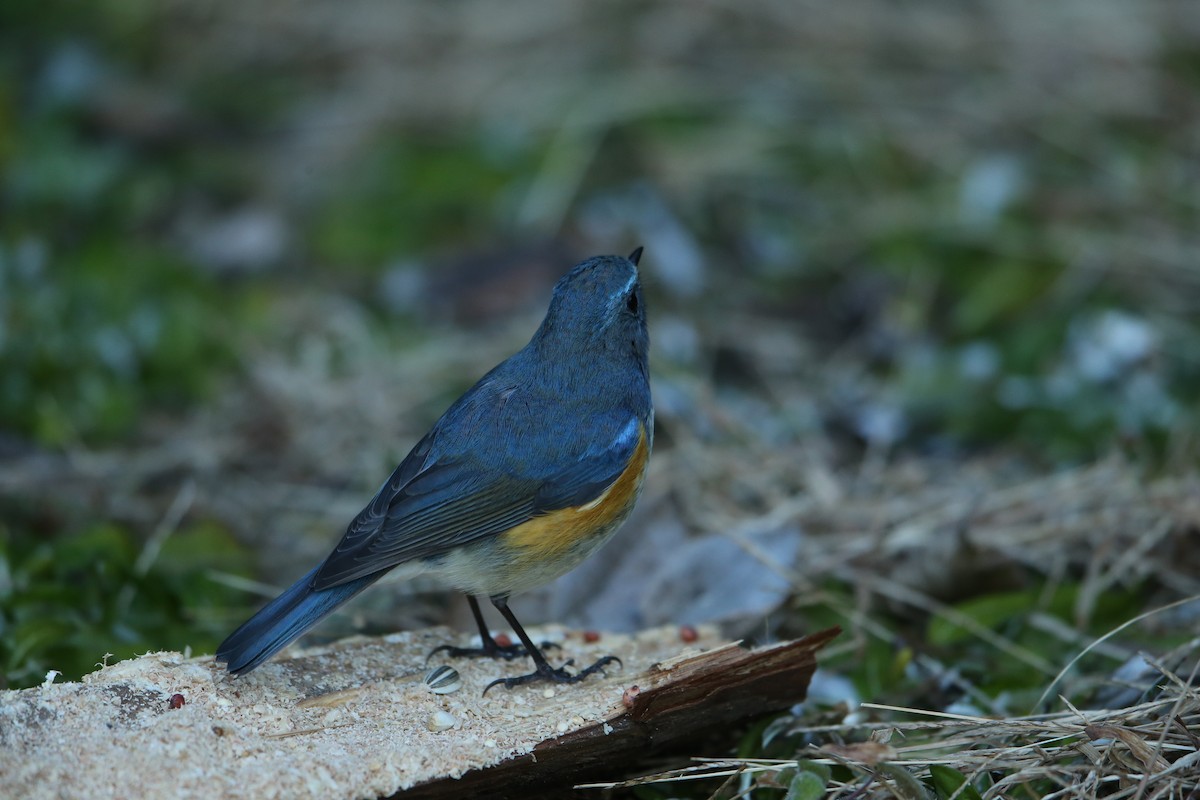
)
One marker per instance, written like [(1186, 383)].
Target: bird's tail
[(284, 619)]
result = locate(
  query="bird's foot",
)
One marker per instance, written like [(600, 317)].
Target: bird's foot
[(490, 649), (545, 672)]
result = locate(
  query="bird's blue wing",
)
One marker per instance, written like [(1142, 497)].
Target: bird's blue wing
[(429, 506), (585, 479)]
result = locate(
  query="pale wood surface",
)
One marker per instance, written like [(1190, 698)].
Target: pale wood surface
[(356, 720)]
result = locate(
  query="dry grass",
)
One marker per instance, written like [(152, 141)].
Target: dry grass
[(1149, 750)]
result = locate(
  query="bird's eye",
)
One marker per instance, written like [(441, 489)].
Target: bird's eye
[(632, 303)]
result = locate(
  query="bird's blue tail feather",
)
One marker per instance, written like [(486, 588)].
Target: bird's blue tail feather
[(283, 620)]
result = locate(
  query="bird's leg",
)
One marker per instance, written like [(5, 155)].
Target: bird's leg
[(543, 671), (490, 647)]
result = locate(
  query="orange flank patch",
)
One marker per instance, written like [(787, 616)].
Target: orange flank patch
[(558, 531)]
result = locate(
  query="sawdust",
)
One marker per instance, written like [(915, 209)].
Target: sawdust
[(351, 720)]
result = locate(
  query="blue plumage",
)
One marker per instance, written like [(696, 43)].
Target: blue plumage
[(548, 430), (283, 620)]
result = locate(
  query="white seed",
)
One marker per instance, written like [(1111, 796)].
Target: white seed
[(443, 680), (440, 721)]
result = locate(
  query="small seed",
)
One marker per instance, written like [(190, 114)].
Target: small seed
[(688, 634), (630, 695), (440, 721), (443, 680), (176, 701)]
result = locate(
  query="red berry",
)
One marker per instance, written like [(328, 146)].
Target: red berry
[(591, 636), (176, 701), (688, 634), (503, 639)]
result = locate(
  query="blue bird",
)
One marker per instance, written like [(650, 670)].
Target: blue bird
[(521, 479)]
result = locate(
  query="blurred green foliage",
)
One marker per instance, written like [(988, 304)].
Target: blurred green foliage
[(974, 316), (101, 318), (87, 596), (102, 321), (412, 194), (808, 782), (86, 346)]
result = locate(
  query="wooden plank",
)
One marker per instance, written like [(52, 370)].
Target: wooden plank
[(677, 699), (355, 719)]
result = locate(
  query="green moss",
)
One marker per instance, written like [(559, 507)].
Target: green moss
[(72, 601), (92, 339)]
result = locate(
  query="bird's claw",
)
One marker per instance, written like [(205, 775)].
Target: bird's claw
[(489, 649), (559, 675)]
